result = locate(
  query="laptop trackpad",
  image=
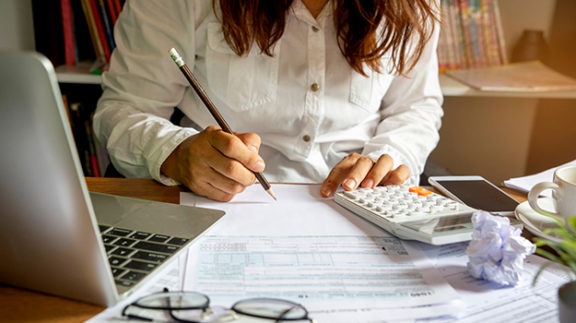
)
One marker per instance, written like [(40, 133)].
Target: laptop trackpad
[(151, 216)]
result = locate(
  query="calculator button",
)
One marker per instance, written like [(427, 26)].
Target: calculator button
[(349, 195)]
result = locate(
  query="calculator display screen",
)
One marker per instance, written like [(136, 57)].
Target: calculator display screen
[(441, 224)]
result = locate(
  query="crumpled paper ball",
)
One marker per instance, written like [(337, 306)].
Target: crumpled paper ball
[(497, 250)]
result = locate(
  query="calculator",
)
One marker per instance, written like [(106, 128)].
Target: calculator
[(411, 213)]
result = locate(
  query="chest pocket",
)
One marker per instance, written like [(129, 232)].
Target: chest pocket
[(367, 91), (244, 82)]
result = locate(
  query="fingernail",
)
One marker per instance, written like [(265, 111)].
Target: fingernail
[(350, 183), (326, 192), (260, 165), (253, 148), (369, 183)]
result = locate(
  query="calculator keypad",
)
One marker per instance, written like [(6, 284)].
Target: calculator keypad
[(400, 203)]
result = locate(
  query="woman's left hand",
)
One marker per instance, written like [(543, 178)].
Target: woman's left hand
[(358, 170)]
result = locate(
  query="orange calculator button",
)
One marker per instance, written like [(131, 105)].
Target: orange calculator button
[(419, 190)]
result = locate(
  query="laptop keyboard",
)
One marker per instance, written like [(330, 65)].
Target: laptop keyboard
[(134, 254)]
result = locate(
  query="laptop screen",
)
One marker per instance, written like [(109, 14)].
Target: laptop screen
[(49, 233)]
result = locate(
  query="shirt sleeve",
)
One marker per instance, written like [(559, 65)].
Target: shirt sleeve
[(141, 87), (411, 115)]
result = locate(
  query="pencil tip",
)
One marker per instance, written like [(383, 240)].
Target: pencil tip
[(269, 191)]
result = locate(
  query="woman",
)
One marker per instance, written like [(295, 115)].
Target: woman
[(338, 92)]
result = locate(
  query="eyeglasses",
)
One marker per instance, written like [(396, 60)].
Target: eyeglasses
[(195, 307)]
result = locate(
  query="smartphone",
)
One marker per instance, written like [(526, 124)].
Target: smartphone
[(476, 192)]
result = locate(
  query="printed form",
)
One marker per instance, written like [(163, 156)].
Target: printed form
[(489, 302), (312, 251)]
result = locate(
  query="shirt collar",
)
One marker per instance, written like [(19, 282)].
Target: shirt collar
[(301, 13)]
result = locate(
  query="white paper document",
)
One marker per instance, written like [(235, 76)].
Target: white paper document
[(525, 183), (310, 250)]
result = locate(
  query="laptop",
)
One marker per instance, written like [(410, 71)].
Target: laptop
[(57, 237)]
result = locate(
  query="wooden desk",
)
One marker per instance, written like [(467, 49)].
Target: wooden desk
[(18, 305)]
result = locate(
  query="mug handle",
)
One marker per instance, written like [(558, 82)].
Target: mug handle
[(535, 193)]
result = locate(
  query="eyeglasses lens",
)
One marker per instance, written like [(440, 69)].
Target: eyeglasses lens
[(175, 300), (271, 309)]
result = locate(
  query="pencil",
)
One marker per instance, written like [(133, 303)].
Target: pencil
[(213, 110)]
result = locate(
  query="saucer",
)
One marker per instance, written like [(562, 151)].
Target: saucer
[(535, 222)]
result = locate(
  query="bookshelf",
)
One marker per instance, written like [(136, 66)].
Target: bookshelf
[(76, 35), (77, 75), (502, 135), (474, 48), (454, 88)]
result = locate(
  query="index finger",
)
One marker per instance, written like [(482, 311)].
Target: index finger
[(349, 172), (251, 140), (243, 149)]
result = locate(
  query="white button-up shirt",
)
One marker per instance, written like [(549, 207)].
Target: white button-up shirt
[(307, 104)]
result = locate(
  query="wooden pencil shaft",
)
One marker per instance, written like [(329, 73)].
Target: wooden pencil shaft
[(262, 180), (204, 97)]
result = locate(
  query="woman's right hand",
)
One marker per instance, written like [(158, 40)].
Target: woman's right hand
[(215, 164)]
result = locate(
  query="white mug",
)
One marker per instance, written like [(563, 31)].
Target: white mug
[(563, 193)]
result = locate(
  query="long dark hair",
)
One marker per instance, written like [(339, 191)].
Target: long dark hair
[(367, 29)]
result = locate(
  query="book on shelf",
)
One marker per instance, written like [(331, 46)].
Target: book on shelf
[(69, 32), (99, 52), (470, 35), (530, 76), (106, 15), (94, 17)]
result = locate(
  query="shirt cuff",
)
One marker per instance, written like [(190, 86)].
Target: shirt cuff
[(165, 151)]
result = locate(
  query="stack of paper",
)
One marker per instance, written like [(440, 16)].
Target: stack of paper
[(525, 183), (520, 77)]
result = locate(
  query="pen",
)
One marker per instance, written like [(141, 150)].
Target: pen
[(212, 108)]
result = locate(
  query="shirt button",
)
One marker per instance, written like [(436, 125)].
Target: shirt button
[(315, 29), (306, 138), (315, 87)]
